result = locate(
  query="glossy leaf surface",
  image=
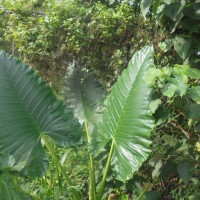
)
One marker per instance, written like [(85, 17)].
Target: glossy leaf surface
[(127, 120), (28, 108)]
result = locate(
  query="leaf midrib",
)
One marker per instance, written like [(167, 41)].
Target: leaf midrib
[(132, 90)]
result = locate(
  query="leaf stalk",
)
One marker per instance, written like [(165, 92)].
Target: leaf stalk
[(102, 185), (56, 160), (92, 187)]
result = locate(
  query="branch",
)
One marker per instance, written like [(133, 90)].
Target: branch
[(177, 126)]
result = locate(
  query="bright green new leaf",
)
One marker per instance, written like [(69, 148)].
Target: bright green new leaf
[(28, 108), (127, 120)]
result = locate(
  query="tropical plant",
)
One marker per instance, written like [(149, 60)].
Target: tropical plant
[(126, 116), (29, 113), (29, 107)]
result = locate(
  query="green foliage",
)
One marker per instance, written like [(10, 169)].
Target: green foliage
[(51, 35), (102, 37), (29, 107), (36, 112), (9, 191), (127, 122)]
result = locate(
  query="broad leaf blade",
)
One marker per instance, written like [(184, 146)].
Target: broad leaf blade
[(28, 108), (84, 95), (127, 120)]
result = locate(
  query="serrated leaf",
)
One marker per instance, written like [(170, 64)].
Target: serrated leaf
[(169, 90), (28, 108), (184, 171), (194, 93), (127, 121)]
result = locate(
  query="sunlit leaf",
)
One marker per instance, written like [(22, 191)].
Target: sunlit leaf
[(127, 121)]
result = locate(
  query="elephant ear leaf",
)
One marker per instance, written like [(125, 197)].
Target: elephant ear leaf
[(127, 120), (84, 95), (28, 109)]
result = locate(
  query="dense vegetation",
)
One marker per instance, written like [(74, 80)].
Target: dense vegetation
[(81, 48)]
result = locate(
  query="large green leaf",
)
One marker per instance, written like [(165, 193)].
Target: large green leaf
[(127, 121), (84, 95), (28, 108)]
